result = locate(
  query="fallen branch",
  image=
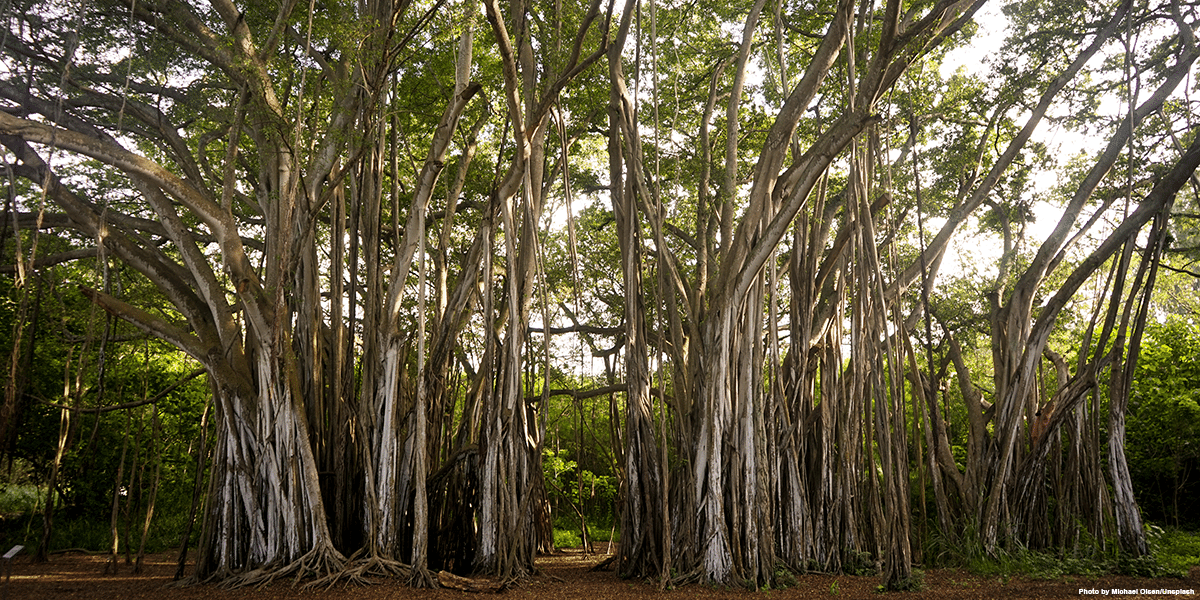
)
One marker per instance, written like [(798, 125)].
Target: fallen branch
[(605, 564), (483, 586)]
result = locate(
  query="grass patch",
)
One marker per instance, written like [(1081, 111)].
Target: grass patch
[(1046, 564), (569, 538), (567, 535)]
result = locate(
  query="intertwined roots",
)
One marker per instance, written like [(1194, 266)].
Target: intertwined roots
[(325, 567), (322, 563), (359, 569)]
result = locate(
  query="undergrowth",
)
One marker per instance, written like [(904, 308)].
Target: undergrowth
[(566, 533), (16, 499), (1175, 551), (1171, 554), (915, 582)]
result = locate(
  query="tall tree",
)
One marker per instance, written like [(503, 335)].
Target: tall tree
[(775, 304)]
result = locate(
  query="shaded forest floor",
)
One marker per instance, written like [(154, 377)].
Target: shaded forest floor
[(564, 577)]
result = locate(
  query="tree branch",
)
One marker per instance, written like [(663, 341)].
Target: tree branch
[(54, 259), (136, 403)]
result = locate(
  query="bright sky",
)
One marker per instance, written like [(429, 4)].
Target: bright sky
[(971, 250)]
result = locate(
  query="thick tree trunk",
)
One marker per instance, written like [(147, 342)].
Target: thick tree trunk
[(266, 517), (641, 549)]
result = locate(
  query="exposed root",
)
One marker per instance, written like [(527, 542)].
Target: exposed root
[(358, 571), (320, 562), (220, 575), (692, 576), (420, 577), (259, 577)]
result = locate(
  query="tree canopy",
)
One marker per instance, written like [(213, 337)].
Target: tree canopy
[(406, 241)]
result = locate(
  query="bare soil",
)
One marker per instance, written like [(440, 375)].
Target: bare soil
[(565, 576)]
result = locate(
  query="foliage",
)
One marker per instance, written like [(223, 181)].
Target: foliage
[(1175, 551), (567, 538), (564, 480), (913, 583), (19, 498), (747, 237), (1163, 439), (80, 359)]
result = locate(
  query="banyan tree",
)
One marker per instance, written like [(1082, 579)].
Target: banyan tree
[(351, 212)]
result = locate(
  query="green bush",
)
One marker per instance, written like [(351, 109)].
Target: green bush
[(566, 538), (1163, 435), (1175, 552)]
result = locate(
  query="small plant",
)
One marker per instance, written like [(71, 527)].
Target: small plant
[(1140, 566), (784, 577), (915, 582), (860, 564), (833, 588)]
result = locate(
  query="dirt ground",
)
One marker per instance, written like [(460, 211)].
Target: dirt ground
[(563, 577)]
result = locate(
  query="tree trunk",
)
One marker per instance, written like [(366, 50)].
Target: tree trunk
[(266, 517)]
